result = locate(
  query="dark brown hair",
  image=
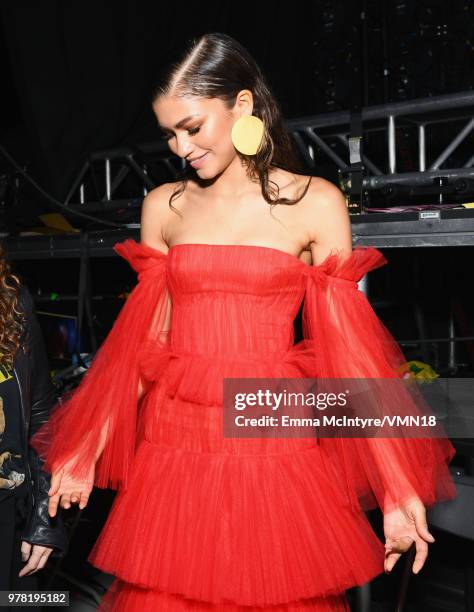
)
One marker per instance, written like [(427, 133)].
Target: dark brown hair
[(12, 318), (217, 66)]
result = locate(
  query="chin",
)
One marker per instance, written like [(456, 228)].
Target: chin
[(206, 173)]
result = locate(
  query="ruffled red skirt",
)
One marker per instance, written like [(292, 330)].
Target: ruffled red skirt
[(214, 523)]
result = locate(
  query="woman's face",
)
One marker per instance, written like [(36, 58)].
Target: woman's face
[(199, 129)]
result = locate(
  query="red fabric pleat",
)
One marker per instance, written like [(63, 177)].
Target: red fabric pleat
[(106, 401), (125, 597), (352, 342)]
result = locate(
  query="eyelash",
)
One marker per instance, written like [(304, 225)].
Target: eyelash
[(191, 132)]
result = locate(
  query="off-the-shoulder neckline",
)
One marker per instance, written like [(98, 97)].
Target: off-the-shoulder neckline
[(245, 246), (290, 256)]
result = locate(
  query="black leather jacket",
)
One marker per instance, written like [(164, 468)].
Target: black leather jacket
[(38, 396)]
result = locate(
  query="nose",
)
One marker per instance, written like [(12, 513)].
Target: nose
[(183, 146)]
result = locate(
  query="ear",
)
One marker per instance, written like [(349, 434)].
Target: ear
[(243, 103)]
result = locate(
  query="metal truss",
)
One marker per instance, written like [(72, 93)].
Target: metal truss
[(330, 133), (121, 176)]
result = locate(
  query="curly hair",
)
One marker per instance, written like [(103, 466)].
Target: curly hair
[(217, 66), (12, 318)]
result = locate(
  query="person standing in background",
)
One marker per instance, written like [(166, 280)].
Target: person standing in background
[(28, 535)]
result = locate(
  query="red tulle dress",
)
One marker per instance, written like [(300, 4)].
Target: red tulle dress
[(205, 522)]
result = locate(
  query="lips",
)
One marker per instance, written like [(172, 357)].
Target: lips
[(199, 161)]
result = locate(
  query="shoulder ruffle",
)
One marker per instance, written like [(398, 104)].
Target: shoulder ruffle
[(352, 268), (104, 407), (140, 256), (351, 342)]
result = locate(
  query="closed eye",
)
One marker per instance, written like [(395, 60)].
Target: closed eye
[(191, 132)]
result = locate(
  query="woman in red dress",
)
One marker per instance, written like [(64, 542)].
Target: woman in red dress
[(227, 256)]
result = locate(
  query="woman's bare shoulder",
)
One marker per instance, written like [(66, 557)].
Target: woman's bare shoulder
[(313, 190), (323, 198), (160, 194), (155, 213), (324, 193), (325, 212), (290, 184)]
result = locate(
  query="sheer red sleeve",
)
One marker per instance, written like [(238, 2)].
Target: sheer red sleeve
[(351, 342), (102, 410)]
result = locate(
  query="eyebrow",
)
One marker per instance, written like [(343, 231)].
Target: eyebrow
[(182, 122)]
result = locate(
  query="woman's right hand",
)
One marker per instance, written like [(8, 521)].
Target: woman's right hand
[(66, 490)]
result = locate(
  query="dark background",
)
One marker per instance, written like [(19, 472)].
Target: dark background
[(77, 76)]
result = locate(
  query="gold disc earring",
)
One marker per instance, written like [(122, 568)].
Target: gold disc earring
[(247, 134)]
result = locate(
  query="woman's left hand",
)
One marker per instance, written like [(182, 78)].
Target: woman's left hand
[(35, 555), (402, 527)]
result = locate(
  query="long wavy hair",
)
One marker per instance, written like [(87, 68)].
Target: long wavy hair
[(12, 318), (217, 66)]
